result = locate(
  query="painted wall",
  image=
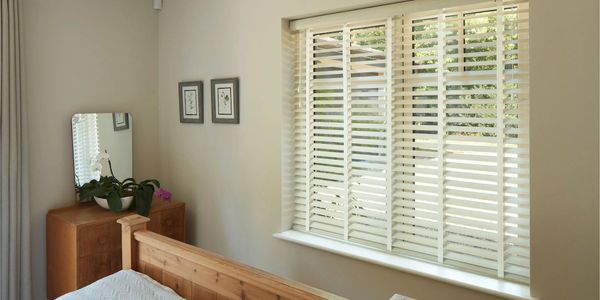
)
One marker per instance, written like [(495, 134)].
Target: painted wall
[(564, 149), (84, 56), (230, 175)]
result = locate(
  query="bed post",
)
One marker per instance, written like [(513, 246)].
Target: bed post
[(129, 225)]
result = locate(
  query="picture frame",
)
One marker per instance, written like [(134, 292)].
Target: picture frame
[(225, 100), (191, 102), (120, 121)]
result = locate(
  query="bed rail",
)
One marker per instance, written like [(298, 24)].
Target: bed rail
[(197, 274)]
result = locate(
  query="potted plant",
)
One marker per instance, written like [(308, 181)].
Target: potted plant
[(116, 195)]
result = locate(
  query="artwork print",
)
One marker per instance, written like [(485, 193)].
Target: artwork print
[(225, 104), (120, 121), (225, 100), (191, 102)]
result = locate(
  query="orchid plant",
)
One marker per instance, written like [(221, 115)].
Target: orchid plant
[(110, 188)]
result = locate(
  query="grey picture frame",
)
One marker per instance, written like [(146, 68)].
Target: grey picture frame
[(235, 93), (184, 116), (120, 126)]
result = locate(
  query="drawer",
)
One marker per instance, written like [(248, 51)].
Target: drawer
[(84, 242), (116, 261), (172, 224), (96, 239), (92, 267), (95, 266), (154, 224), (99, 238)]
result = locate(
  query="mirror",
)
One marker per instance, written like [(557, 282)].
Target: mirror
[(100, 138)]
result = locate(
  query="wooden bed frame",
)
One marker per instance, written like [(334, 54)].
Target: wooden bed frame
[(198, 274)]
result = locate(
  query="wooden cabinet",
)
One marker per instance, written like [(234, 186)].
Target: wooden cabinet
[(83, 242)]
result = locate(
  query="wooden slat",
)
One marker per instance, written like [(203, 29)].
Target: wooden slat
[(214, 272), (198, 274), (179, 284)]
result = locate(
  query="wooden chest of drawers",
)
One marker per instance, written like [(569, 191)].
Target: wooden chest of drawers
[(83, 242)]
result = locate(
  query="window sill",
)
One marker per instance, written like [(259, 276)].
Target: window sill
[(480, 283)]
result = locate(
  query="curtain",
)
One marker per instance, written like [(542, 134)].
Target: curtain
[(15, 273)]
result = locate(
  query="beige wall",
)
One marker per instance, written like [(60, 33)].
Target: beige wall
[(84, 56), (230, 175), (564, 147)]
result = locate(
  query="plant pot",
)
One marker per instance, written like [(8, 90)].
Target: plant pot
[(125, 202)]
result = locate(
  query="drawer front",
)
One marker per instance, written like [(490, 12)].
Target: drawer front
[(93, 267), (116, 261), (94, 239), (96, 266), (99, 238), (80, 253), (154, 224), (172, 223)]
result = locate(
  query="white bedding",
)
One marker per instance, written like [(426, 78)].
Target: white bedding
[(125, 284)]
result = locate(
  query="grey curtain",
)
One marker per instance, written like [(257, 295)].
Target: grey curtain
[(15, 273)]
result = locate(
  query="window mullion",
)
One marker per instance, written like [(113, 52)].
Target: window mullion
[(500, 133), (389, 145), (347, 126), (461, 42), (441, 112), (309, 53)]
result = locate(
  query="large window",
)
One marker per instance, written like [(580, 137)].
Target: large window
[(411, 136)]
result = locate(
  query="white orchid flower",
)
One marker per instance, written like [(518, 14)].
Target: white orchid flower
[(97, 167), (103, 156)]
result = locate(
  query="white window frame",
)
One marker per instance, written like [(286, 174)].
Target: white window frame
[(497, 286)]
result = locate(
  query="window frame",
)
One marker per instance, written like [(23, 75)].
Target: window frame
[(286, 233)]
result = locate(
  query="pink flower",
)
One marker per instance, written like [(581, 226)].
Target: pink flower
[(163, 194)]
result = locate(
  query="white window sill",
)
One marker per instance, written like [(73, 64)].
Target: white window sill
[(481, 283)]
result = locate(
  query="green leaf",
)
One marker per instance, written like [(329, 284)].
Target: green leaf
[(85, 196), (151, 181), (114, 201), (129, 185), (143, 199), (148, 193), (129, 181), (113, 190), (133, 206), (140, 203)]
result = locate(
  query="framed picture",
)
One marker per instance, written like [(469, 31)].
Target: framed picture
[(191, 102), (225, 100), (120, 121)]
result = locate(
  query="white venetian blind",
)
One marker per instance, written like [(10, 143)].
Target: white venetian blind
[(85, 147), (411, 135)]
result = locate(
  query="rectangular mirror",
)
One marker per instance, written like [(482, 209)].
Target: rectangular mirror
[(102, 146)]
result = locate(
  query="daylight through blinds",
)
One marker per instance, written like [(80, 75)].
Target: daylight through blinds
[(411, 135), (85, 147)]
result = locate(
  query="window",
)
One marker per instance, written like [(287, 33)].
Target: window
[(85, 147), (411, 136)]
